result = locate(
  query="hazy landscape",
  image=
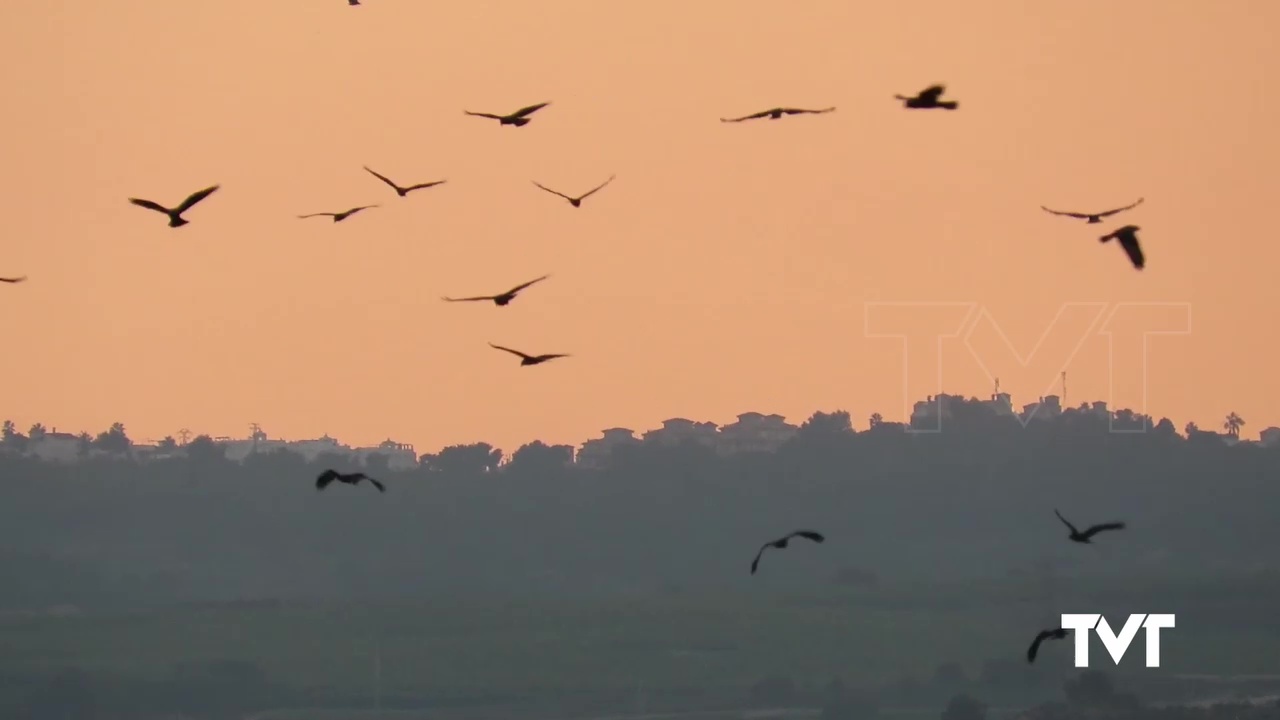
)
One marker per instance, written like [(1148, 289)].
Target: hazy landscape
[(539, 584)]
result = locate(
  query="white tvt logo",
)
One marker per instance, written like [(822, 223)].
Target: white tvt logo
[(1116, 645)]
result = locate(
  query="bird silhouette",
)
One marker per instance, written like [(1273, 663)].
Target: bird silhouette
[(402, 191), (1093, 217), (529, 359), (576, 201), (928, 98), (328, 476), (1083, 537), (781, 543), (1055, 634), (501, 298), (517, 118), (338, 217), (14, 279), (1128, 238), (175, 214), (777, 113), (353, 2)]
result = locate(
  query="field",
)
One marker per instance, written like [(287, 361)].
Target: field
[(712, 642)]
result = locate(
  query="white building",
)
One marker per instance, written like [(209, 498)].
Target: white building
[(400, 456), (595, 453), (55, 446), (679, 430), (755, 432)]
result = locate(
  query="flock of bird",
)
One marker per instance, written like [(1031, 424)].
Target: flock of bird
[(927, 99)]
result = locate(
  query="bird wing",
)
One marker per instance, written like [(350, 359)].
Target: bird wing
[(518, 288), (14, 280), (355, 210), (756, 563), (325, 478), (195, 197), (1068, 214), (1109, 213), (304, 217), (383, 178), (513, 352), (808, 535), (522, 112), (1129, 242), (420, 186), (551, 356), (596, 189), (553, 192), (1103, 527), (753, 116), (468, 299), (933, 92), (1064, 521), (1035, 645), (149, 205), (380, 486), (800, 111), (483, 115)]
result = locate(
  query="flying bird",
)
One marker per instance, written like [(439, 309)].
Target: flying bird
[(517, 118), (781, 543), (777, 113), (501, 298), (175, 214), (928, 98), (577, 201), (528, 359), (14, 280), (1083, 537), (1056, 634), (1093, 217), (1128, 238), (402, 191), (328, 476), (338, 217), (353, 2)]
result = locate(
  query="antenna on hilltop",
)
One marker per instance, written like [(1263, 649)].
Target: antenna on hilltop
[(1064, 388), (183, 435), (997, 386)]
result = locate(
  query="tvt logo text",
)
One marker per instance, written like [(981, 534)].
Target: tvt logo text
[(1083, 623)]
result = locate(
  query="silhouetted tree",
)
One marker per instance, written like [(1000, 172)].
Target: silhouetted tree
[(167, 444), (1232, 425), (202, 450), (466, 460), (11, 437), (37, 432), (827, 424), (538, 458), (113, 440), (875, 420)]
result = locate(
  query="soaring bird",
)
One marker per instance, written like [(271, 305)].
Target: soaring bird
[(338, 217), (1128, 238), (576, 201), (777, 113), (528, 359), (354, 478), (353, 2), (781, 543), (1093, 217), (1083, 537), (402, 191), (928, 98), (517, 118), (14, 280), (1055, 634), (501, 298), (175, 214)]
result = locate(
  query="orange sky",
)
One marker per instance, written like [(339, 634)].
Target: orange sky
[(725, 270)]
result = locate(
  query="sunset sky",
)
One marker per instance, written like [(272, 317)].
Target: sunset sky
[(727, 269)]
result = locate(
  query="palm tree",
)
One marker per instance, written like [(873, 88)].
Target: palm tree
[(37, 431), (1232, 425), (1191, 429), (875, 419)]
